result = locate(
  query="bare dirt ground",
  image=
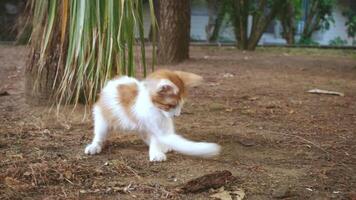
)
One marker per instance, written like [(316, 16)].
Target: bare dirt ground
[(278, 140)]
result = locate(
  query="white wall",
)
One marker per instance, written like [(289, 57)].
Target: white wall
[(199, 20), (197, 28), (336, 29)]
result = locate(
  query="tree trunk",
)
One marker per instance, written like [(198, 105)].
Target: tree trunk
[(287, 18), (174, 27), (218, 23), (288, 31), (256, 34), (240, 18), (290, 37), (310, 25), (40, 84), (259, 23), (212, 16)]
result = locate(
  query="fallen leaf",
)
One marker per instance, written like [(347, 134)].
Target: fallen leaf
[(68, 174), (253, 98), (83, 191), (27, 173), (223, 195), (216, 107), (229, 109), (227, 75), (214, 180), (213, 84), (16, 184), (239, 194)]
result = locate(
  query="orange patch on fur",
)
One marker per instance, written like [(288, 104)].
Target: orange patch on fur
[(127, 97), (106, 112)]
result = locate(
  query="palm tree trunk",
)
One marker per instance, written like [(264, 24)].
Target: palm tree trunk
[(174, 27)]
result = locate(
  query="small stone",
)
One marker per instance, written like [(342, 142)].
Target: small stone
[(4, 93), (282, 192), (352, 195), (227, 75), (216, 107), (246, 142)]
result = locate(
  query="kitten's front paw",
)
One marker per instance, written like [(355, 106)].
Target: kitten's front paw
[(92, 149), (157, 157), (165, 148)]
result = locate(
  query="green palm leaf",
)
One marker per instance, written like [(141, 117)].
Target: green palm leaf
[(96, 40)]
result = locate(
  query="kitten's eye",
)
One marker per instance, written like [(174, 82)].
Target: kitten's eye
[(172, 106)]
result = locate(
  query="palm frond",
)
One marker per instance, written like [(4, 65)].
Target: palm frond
[(95, 40)]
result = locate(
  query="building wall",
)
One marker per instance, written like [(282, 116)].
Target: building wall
[(337, 29), (9, 12), (200, 19)]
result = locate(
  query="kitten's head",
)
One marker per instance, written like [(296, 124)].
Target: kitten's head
[(168, 89)]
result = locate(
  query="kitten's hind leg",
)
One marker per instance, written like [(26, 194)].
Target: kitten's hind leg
[(100, 132), (155, 152)]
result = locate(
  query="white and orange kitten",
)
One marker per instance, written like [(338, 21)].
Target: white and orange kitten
[(148, 107)]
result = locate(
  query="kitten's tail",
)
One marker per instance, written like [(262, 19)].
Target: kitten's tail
[(184, 146)]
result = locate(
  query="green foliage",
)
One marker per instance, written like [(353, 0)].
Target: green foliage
[(351, 22), (338, 41), (325, 10), (87, 42), (297, 5), (307, 41), (226, 9), (289, 15), (319, 16)]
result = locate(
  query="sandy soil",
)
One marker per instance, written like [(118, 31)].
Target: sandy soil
[(278, 140)]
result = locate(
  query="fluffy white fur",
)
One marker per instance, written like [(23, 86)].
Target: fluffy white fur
[(155, 125)]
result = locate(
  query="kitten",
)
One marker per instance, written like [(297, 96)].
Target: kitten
[(148, 107)]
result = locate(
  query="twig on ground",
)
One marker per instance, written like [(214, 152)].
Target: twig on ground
[(327, 92), (305, 140)]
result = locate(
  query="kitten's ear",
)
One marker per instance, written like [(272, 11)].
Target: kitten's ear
[(189, 79), (166, 87)]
